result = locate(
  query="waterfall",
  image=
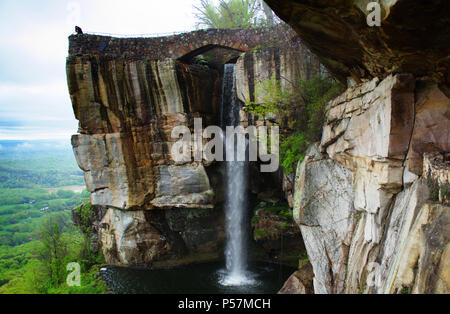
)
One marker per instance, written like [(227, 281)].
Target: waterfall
[(235, 186)]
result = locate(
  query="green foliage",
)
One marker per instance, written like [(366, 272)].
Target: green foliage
[(22, 212), (363, 289), (281, 209), (286, 213), (303, 255), (31, 277), (37, 236), (262, 233), (233, 14), (53, 250), (437, 191), (300, 111), (259, 48), (202, 60), (292, 150), (405, 290), (434, 190), (40, 266), (86, 213), (90, 284), (303, 259), (275, 207), (445, 192), (36, 164), (34, 172)]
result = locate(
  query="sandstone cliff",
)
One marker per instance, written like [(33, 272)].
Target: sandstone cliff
[(361, 199), (371, 198), (127, 109), (413, 37)]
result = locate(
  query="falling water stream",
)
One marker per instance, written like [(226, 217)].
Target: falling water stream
[(235, 186)]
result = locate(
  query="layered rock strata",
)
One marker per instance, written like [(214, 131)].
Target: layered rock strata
[(372, 198), (127, 110), (363, 206)]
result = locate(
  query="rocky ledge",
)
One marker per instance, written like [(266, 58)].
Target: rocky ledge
[(337, 32)]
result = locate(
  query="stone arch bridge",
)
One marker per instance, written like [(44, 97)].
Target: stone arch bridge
[(183, 45)]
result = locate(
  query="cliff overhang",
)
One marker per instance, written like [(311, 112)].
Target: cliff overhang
[(413, 38)]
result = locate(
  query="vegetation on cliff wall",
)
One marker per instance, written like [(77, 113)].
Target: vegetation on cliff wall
[(275, 233), (300, 112)]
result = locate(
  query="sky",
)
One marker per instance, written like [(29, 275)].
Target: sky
[(34, 99)]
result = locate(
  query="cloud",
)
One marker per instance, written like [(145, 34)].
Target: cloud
[(40, 130), (24, 102), (57, 88), (37, 129)]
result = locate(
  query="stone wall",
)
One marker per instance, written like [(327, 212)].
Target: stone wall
[(285, 65)]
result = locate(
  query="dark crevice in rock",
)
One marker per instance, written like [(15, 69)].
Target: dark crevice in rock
[(181, 82), (249, 66)]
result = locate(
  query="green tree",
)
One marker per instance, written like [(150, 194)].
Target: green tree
[(233, 14), (65, 193), (53, 250)]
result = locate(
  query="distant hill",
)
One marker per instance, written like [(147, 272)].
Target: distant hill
[(31, 164), (12, 149)]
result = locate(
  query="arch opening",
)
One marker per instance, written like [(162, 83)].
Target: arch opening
[(214, 56)]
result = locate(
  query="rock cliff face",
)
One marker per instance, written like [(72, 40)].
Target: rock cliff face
[(337, 32), (364, 208), (127, 109), (285, 65), (371, 198), (275, 234)]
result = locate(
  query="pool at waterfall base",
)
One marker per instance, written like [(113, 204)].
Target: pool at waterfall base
[(207, 278)]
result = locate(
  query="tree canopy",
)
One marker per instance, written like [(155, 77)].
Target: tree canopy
[(233, 14)]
